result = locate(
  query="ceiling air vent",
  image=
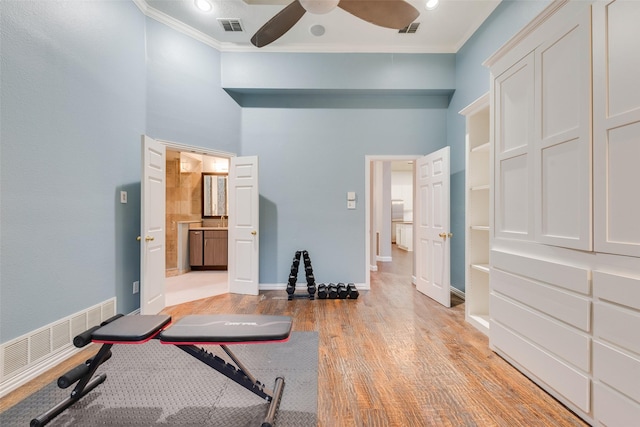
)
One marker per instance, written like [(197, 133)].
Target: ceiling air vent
[(410, 29), (231, 25)]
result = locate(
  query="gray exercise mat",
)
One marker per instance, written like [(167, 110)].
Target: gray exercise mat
[(155, 384)]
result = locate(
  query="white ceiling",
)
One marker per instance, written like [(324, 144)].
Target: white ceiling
[(443, 30)]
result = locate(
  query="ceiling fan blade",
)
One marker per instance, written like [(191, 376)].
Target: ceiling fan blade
[(395, 14), (278, 25)]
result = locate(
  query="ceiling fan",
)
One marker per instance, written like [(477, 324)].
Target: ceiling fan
[(395, 14)]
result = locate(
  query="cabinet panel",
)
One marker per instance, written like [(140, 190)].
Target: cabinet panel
[(572, 309), (562, 156), (514, 101), (611, 408), (512, 198), (558, 274), (563, 216), (623, 56), (196, 239), (617, 369), (616, 124), (570, 383), (567, 343), (215, 248)]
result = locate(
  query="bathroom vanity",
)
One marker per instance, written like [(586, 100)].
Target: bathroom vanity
[(208, 248)]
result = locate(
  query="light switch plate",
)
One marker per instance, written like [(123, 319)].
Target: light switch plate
[(351, 204), (351, 195), (123, 197)]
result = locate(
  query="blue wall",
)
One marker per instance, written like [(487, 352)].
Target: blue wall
[(73, 110), (185, 102), (82, 80), (309, 159)]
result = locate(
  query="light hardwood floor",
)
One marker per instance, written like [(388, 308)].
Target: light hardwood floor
[(393, 357)]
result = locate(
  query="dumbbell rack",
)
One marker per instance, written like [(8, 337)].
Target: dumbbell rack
[(325, 291), (293, 276)]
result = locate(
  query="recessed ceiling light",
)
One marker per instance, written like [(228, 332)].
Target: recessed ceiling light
[(203, 5), (317, 30), (432, 4)]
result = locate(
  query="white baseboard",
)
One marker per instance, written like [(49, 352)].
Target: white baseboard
[(457, 292), (300, 286), (384, 258)]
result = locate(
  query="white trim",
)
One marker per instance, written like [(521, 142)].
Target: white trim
[(176, 146), (457, 292), (303, 48), (383, 258), (522, 34)]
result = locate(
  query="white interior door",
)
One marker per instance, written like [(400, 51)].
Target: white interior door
[(152, 226), (244, 216), (431, 223)]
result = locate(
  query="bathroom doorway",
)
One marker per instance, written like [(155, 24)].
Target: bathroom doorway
[(184, 209)]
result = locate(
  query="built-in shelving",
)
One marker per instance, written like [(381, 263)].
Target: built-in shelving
[(478, 146)]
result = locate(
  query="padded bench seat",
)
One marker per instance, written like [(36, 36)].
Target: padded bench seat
[(131, 329), (227, 329)]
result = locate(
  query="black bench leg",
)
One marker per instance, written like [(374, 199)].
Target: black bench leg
[(85, 384)]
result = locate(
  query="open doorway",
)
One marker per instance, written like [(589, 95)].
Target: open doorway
[(185, 211), (390, 192)]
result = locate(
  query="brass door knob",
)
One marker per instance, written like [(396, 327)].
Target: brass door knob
[(149, 238), (254, 232), (445, 235), (138, 238)]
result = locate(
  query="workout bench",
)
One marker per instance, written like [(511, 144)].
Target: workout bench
[(185, 334)]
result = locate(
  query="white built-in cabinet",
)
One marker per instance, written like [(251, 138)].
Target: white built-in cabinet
[(565, 206), (477, 188)]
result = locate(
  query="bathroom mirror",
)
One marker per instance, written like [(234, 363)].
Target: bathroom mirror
[(214, 195)]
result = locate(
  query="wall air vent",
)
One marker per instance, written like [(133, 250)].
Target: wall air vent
[(231, 25), (410, 29)]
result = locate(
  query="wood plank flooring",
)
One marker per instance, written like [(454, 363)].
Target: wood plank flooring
[(393, 357)]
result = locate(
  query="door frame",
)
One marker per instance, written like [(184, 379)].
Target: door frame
[(175, 146), (369, 199)]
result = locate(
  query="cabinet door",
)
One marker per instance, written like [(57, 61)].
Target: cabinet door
[(616, 103), (215, 248), (562, 147), (513, 133), (195, 248)]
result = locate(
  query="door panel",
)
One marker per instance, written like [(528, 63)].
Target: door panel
[(152, 227), (432, 230), (244, 248)]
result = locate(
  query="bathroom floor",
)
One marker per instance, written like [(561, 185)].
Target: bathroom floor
[(195, 285)]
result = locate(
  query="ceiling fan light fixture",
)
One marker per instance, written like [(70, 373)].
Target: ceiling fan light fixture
[(431, 4), (319, 7), (203, 5)]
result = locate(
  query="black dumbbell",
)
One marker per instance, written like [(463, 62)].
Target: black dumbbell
[(323, 292), (333, 291), (297, 255), (342, 291), (352, 291), (291, 289)]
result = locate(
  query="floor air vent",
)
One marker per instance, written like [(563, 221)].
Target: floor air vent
[(410, 29), (231, 25)]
